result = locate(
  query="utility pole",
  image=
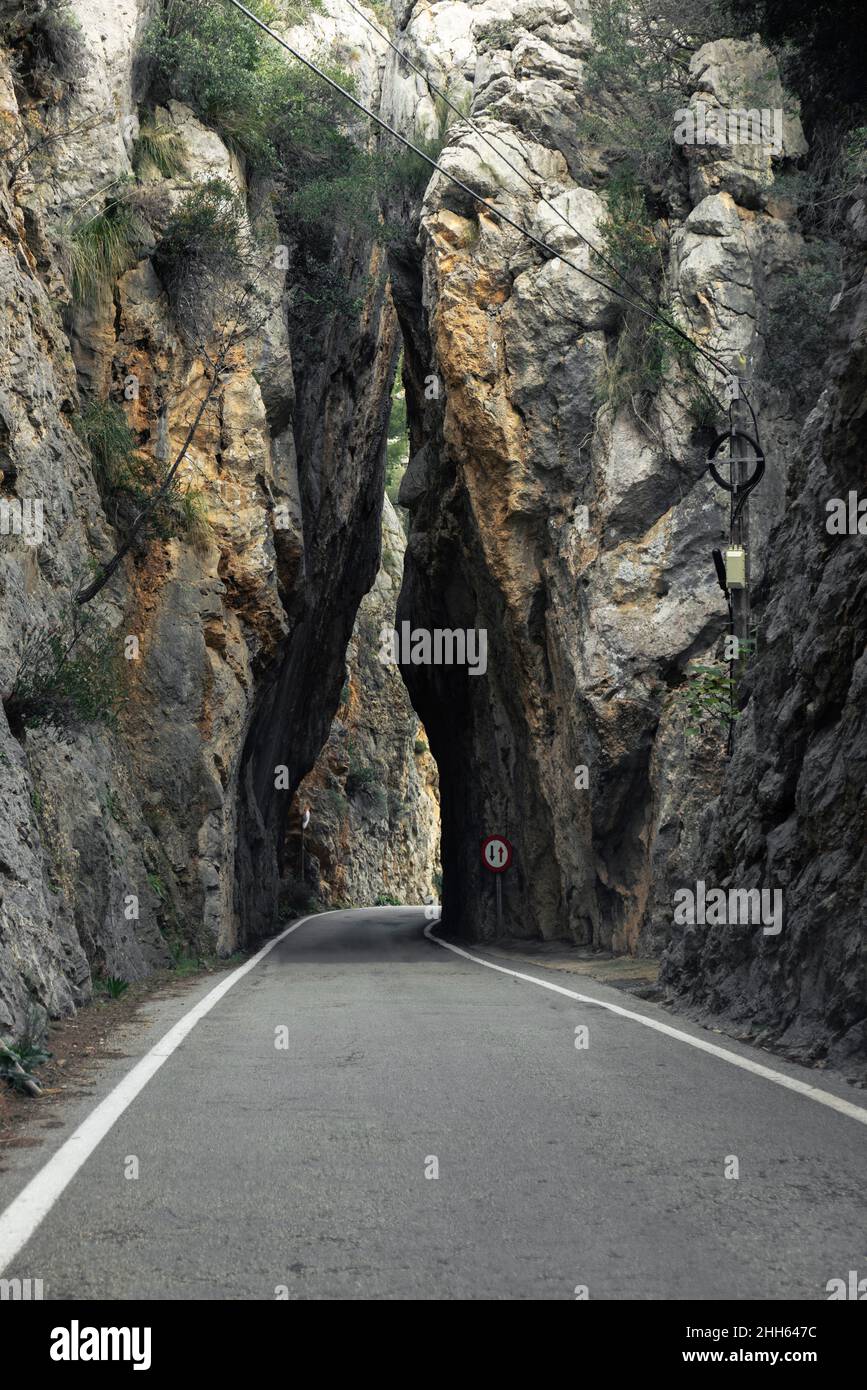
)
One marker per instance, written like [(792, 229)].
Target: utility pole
[(733, 569), (740, 531)]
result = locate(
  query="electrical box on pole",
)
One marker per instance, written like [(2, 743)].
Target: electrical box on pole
[(733, 567)]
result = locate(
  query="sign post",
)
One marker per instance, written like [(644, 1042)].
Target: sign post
[(305, 821), (497, 856)]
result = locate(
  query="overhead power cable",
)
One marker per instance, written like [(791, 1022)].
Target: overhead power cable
[(498, 149), (479, 198), (739, 492), (740, 495)]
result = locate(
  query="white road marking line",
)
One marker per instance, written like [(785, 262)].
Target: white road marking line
[(844, 1107), (29, 1209)]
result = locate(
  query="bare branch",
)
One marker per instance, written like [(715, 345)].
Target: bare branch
[(44, 141), (237, 327)]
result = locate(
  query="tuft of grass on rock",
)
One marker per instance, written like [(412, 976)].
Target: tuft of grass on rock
[(111, 985), (101, 249), (159, 149)]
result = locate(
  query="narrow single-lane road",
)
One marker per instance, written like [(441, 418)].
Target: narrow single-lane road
[(285, 1147)]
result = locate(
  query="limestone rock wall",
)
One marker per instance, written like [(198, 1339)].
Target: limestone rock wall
[(119, 844), (576, 535), (591, 616), (792, 811)]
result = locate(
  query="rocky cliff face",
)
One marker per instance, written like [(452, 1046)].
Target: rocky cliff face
[(119, 843), (577, 531), (560, 506), (792, 809), (578, 538)]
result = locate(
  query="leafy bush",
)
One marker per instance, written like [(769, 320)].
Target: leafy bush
[(19, 1060), (361, 777), (703, 407), (336, 198), (821, 192), (187, 507), (637, 76), (69, 675), (383, 12), (208, 55), (287, 123), (17, 1064), (407, 170), (644, 346), (186, 959), (112, 985), (708, 699), (321, 287), (403, 169), (497, 33), (336, 802), (203, 241), (420, 747), (104, 429), (127, 481), (47, 40)]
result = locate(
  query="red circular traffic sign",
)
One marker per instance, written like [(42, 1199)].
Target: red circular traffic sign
[(496, 853)]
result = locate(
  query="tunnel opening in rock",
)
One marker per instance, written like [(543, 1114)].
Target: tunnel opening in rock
[(362, 825)]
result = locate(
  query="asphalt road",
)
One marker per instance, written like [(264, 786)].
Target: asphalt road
[(302, 1168)]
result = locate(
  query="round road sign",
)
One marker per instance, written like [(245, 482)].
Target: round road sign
[(496, 853)]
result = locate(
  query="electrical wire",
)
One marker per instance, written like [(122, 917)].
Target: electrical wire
[(650, 313), (550, 251), (498, 151)]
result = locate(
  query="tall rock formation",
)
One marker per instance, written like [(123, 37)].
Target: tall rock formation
[(793, 809), (579, 538), (558, 504), (576, 528), (119, 842)]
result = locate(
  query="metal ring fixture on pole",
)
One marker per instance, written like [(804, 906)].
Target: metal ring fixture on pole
[(755, 477)]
